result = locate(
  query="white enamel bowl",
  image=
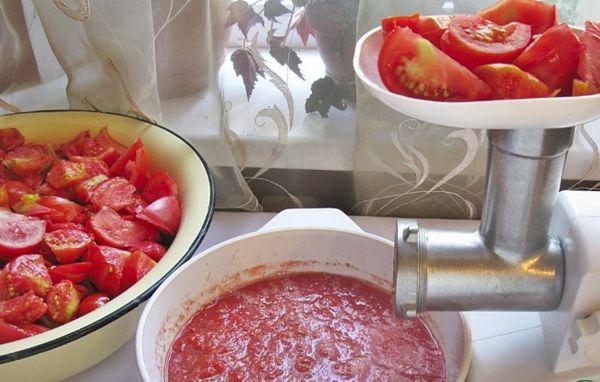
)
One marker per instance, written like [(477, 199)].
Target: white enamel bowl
[(538, 113), (294, 241), (77, 345)]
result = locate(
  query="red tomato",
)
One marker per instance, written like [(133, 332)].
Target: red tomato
[(67, 245), (151, 248), (164, 214), (414, 67), (473, 41), (93, 166), (589, 65), (63, 301), (33, 329), (116, 193), (19, 234), (137, 169), (118, 167), (160, 184), (9, 333), (75, 272), (93, 302), (63, 210), (84, 189), (25, 273), (553, 58), (16, 190), (57, 226), (510, 82), (30, 206), (111, 229), (429, 27), (540, 15), (66, 174), (581, 88), (4, 199), (137, 265), (107, 268), (28, 160), (24, 309), (105, 140), (85, 145), (10, 139), (136, 206), (390, 23)]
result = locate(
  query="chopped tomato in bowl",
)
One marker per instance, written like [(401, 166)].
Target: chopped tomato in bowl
[(65, 238)]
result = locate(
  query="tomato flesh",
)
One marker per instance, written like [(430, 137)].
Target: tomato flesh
[(137, 265), (25, 273), (388, 24), (540, 15), (151, 248), (553, 58), (63, 210), (160, 184), (66, 174), (429, 27), (9, 333), (111, 229), (93, 302), (63, 301), (137, 169), (118, 167), (24, 309), (19, 234), (16, 190), (510, 82), (74, 272), (29, 160), (589, 65), (473, 41), (10, 139), (164, 214), (67, 245), (83, 190), (107, 268), (581, 88), (116, 193), (412, 66), (4, 198)]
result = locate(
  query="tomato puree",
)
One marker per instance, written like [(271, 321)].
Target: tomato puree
[(312, 326)]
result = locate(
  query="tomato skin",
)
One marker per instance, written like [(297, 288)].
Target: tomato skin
[(74, 272), (118, 168), (25, 273), (153, 249), (107, 268), (66, 174), (24, 309), (63, 301), (10, 139), (137, 265), (19, 234), (589, 64), (93, 302), (388, 24), (105, 140), (137, 169), (160, 184), (510, 82), (116, 193), (29, 160), (473, 41), (412, 66), (33, 329), (63, 210), (67, 245), (111, 229), (553, 58), (164, 214), (16, 190), (540, 15), (429, 27), (10, 333)]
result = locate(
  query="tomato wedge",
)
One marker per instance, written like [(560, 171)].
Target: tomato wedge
[(116, 193), (66, 174), (540, 15), (63, 301), (412, 66), (553, 58), (160, 184), (25, 273), (473, 41), (137, 169), (19, 234), (164, 214), (111, 229), (151, 248), (118, 167), (33, 329), (9, 333), (16, 190), (429, 27), (10, 139), (388, 24), (63, 210), (74, 272), (93, 166), (67, 245), (107, 268), (93, 302), (83, 190), (589, 65), (137, 265), (30, 159), (24, 309), (510, 82), (105, 140)]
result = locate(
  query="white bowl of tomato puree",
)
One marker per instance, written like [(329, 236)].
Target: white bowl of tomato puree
[(297, 248), (81, 343)]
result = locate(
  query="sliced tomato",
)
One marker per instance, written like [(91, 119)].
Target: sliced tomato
[(473, 41), (33, 329), (118, 167), (30, 205), (10, 139), (58, 226), (105, 140), (412, 66), (19, 234), (164, 214), (63, 210), (93, 302), (10, 333), (111, 229), (63, 301), (75, 272), (553, 58), (581, 88), (137, 265), (107, 268), (151, 248), (116, 193), (93, 166), (29, 160), (539, 14), (67, 245), (160, 184), (25, 273), (4, 199), (510, 82), (16, 190), (24, 309), (589, 65), (429, 27), (83, 190), (136, 206), (137, 169), (388, 24), (66, 174)]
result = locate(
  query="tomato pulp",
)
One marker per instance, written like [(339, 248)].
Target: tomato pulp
[(305, 326)]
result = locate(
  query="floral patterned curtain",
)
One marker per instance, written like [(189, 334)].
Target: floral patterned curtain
[(265, 89)]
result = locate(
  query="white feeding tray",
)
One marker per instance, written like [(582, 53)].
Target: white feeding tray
[(536, 113)]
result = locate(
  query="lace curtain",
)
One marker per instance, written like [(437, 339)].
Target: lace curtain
[(265, 89)]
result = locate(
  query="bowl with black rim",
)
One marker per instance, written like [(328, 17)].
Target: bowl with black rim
[(77, 345)]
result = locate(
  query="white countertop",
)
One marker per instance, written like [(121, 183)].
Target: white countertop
[(506, 346)]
